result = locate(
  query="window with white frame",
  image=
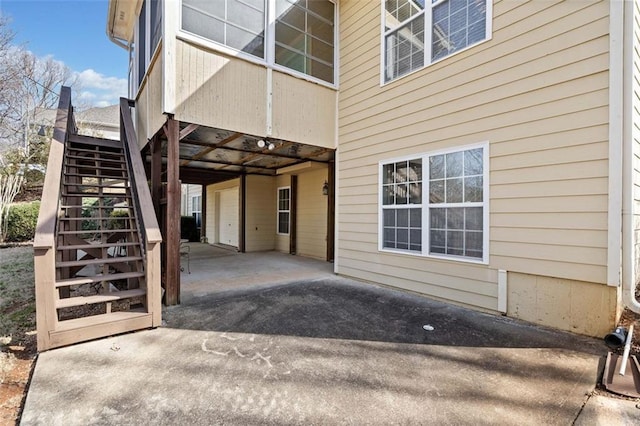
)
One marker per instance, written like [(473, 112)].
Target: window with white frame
[(238, 24), (301, 38), (419, 32), (147, 38), (284, 204), (196, 209), (435, 204), (304, 37)]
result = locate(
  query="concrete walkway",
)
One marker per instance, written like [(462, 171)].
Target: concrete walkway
[(320, 350)]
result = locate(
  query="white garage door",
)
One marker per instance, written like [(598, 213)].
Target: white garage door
[(228, 218)]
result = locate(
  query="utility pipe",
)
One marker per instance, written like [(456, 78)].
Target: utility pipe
[(628, 249), (627, 348)]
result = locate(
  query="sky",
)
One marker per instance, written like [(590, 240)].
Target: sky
[(74, 33)]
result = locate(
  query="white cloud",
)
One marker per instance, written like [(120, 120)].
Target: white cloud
[(100, 90)]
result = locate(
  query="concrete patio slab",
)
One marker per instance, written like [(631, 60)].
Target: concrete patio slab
[(324, 350)]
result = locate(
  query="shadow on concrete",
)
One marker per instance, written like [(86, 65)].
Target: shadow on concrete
[(337, 308)]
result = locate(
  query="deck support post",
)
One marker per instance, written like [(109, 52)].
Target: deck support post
[(331, 211), (203, 215), (156, 173), (172, 237), (293, 212), (243, 214)]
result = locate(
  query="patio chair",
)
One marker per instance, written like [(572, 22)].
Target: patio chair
[(185, 251)]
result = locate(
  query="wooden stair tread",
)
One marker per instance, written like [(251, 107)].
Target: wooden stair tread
[(99, 320), (83, 166), (97, 176), (94, 207), (96, 218), (97, 158), (98, 278), (95, 194), (100, 298), (99, 261), (98, 185), (118, 151), (94, 141), (98, 231), (96, 246)]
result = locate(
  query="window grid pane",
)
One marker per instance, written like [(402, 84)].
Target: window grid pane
[(236, 24), (304, 37), (284, 202), (402, 186), (455, 180), (455, 24)]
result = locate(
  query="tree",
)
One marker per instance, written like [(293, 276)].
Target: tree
[(28, 84)]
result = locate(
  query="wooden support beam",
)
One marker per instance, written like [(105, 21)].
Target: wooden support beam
[(156, 173), (331, 211), (211, 148), (293, 211), (188, 130), (243, 214), (172, 296), (203, 214)]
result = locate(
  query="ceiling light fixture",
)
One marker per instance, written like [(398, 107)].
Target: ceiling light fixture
[(261, 143)]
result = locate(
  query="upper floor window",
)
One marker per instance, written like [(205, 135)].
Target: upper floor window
[(419, 32), (304, 39), (300, 37), (147, 38), (239, 24)]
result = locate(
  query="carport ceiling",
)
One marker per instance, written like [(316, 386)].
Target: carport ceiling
[(223, 154)]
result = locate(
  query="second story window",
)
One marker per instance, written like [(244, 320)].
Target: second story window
[(419, 32), (304, 38), (238, 24), (296, 35)]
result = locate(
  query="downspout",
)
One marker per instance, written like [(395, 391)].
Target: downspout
[(628, 249)]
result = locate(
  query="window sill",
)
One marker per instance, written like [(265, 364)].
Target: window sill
[(455, 259)]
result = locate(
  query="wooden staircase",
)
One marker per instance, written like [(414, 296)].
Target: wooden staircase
[(96, 263)]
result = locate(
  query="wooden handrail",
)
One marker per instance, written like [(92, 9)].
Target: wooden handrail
[(149, 223), (46, 227)]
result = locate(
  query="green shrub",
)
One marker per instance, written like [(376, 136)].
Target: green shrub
[(189, 229), (115, 223), (21, 224)]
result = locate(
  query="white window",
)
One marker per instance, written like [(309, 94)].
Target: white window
[(417, 33), (304, 37), (436, 204), (284, 203), (196, 209), (147, 38), (296, 35), (238, 24)]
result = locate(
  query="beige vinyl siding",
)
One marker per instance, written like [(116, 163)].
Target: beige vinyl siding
[(149, 114), (303, 111), (213, 208), (635, 131), (537, 92), (261, 213), (282, 241), (218, 91), (312, 215)]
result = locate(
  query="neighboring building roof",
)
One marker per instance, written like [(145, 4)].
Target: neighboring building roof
[(100, 121), (102, 116)]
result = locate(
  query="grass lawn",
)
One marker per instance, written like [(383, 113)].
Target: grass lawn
[(17, 328)]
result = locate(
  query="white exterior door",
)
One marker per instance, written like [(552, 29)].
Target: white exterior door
[(228, 217)]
